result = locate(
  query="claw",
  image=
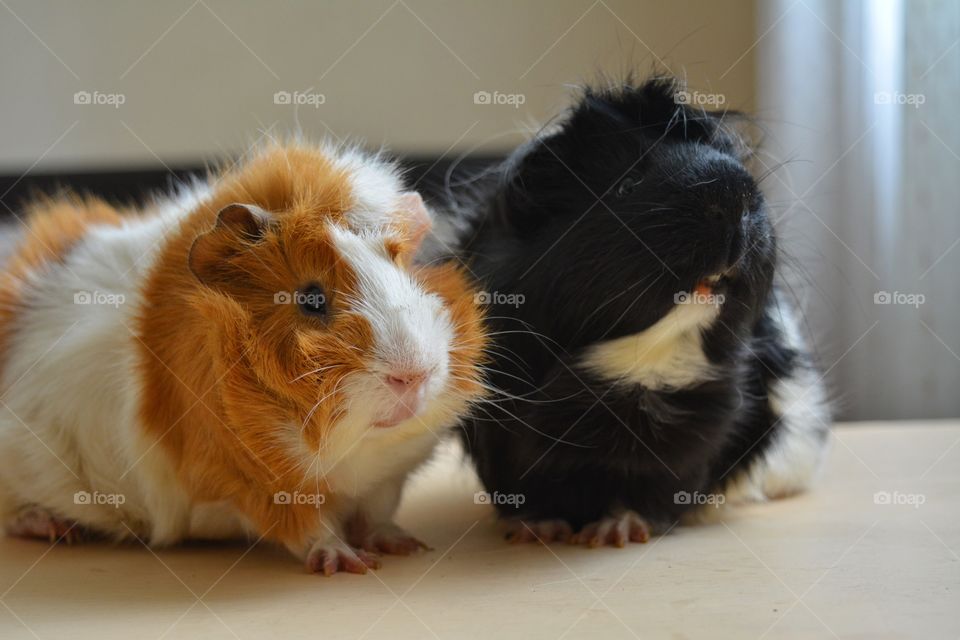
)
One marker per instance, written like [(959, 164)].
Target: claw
[(37, 522), (390, 539), (616, 530), (330, 557)]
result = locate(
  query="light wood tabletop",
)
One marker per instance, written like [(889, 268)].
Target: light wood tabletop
[(870, 553)]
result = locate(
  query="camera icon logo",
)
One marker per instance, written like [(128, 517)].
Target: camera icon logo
[(282, 97), (681, 297), (682, 497), (282, 497), (482, 97), (82, 497), (882, 297), (881, 497), (682, 97), (482, 297), (82, 97), (481, 497), (82, 297), (282, 297)]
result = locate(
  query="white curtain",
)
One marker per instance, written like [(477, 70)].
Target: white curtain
[(860, 101)]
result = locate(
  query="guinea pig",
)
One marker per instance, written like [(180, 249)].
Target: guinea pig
[(646, 362), (256, 357)]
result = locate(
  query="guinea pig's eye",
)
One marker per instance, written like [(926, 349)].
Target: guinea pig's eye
[(312, 301), (626, 186)]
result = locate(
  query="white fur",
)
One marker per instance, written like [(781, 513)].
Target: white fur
[(800, 441), (411, 329), (668, 354), (69, 420), (376, 188)]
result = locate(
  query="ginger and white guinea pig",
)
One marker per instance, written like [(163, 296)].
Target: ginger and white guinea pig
[(254, 358)]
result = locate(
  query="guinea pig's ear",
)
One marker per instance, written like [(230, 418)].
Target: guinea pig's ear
[(661, 106), (415, 224), (532, 181), (665, 104), (237, 225)]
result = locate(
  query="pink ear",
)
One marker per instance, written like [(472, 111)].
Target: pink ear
[(417, 218)]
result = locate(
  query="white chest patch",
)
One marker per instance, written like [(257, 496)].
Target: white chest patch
[(668, 354)]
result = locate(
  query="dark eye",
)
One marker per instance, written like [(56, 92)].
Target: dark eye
[(312, 301), (626, 187)]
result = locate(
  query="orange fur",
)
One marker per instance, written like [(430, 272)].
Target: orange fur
[(223, 365), (449, 282)]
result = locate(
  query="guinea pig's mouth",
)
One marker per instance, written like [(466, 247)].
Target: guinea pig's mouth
[(717, 280), (405, 404)]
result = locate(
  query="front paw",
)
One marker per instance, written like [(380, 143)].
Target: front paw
[(387, 538), (617, 529), (331, 556), (36, 522)]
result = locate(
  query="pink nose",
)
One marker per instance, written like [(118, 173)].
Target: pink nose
[(405, 381)]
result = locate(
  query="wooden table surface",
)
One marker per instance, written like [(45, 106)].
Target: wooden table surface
[(870, 553)]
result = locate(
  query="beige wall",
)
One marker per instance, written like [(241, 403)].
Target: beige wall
[(198, 79)]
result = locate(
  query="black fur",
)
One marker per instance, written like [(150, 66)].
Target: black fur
[(596, 226)]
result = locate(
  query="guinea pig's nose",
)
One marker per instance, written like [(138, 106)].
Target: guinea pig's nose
[(402, 381)]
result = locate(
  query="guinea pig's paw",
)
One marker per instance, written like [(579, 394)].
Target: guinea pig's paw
[(617, 529), (542, 531), (389, 538), (331, 555), (37, 522)]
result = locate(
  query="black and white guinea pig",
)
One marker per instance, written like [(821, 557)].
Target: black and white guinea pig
[(647, 363)]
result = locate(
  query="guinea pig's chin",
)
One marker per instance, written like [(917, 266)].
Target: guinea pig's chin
[(398, 413)]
